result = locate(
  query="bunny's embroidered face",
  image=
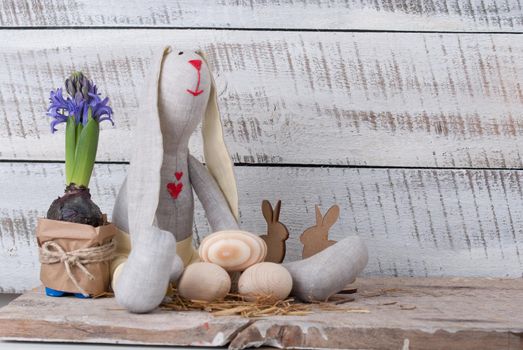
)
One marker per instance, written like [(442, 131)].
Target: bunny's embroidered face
[(185, 85)]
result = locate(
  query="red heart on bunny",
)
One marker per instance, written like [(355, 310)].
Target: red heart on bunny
[(174, 189), (178, 175)]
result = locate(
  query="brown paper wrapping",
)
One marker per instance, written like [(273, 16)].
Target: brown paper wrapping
[(72, 236)]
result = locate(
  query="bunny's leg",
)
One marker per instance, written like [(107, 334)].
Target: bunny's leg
[(216, 207), (329, 271), (141, 285), (140, 276)]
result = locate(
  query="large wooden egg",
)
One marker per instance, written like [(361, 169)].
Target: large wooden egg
[(204, 281), (233, 250), (265, 279)]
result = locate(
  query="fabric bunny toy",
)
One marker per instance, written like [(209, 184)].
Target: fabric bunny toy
[(315, 238), (155, 204), (277, 233), (154, 208)]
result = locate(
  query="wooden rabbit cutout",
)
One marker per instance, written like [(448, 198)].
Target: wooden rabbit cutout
[(277, 233), (316, 238)]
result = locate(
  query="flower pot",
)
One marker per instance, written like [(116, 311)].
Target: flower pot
[(75, 258)]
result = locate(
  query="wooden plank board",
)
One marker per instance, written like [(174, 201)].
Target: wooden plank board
[(388, 313), (421, 15), (324, 98), (72, 318), (415, 222), (407, 313)]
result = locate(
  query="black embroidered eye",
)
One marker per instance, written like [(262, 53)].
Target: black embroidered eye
[(180, 53)]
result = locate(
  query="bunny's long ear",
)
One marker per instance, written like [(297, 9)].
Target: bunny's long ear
[(277, 209), (216, 155), (331, 216), (319, 217), (143, 180), (267, 211)]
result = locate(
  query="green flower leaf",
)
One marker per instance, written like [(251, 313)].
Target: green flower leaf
[(70, 148), (79, 129), (86, 147)]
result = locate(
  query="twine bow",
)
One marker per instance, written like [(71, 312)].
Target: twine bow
[(52, 253)]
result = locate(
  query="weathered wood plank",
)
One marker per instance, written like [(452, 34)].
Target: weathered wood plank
[(420, 15), (415, 222), (406, 313), (325, 98), (197, 329), (394, 313)]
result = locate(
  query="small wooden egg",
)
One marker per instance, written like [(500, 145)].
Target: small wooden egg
[(233, 250), (204, 281), (265, 279)]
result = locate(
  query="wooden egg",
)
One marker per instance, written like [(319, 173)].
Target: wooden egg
[(265, 279), (204, 281), (233, 250)]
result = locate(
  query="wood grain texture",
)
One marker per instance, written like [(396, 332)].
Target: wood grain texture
[(415, 222), (419, 15), (394, 313), (404, 313), (438, 100), (198, 329)]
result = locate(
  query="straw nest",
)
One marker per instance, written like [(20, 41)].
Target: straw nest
[(236, 305)]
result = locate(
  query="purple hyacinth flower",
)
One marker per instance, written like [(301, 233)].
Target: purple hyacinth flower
[(100, 110), (78, 83), (58, 108), (83, 95)]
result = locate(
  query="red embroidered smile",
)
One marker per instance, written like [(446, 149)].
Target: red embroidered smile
[(197, 64)]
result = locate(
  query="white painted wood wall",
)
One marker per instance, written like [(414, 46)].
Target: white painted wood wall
[(408, 114)]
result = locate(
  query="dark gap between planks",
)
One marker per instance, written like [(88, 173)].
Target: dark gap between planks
[(290, 165), (254, 29)]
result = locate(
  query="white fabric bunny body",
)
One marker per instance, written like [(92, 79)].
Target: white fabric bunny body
[(155, 204)]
